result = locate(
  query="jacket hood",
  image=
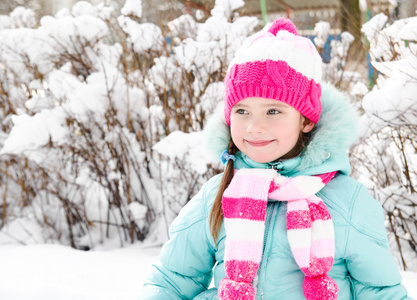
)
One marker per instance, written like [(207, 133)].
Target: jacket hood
[(336, 131)]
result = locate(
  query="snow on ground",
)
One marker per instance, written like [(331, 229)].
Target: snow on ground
[(43, 272)]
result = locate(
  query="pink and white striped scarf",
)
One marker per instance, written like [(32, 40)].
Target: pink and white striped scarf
[(309, 228)]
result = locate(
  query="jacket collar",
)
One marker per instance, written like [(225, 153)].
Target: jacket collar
[(335, 132)]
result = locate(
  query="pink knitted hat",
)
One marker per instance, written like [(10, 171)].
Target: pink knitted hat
[(277, 64)]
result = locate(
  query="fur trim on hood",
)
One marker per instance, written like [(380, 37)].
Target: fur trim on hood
[(337, 129)]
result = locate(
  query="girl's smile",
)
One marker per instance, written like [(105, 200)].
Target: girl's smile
[(259, 143)]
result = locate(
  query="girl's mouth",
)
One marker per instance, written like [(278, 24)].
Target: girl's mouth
[(259, 143)]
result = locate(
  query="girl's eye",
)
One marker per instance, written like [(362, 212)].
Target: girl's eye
[(241, 111), (273, 112)]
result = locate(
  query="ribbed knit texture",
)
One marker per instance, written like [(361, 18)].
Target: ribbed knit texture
[(309, 229), (278, 65), (273, 80)]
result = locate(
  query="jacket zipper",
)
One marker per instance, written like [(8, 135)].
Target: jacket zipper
[(277, 166), (267, 225)]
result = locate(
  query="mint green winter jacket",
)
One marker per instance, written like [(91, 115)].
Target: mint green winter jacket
[(363, 267)]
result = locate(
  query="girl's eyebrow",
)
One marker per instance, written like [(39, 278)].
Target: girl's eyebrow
[(271, 104), (275, 104), (239, 104)]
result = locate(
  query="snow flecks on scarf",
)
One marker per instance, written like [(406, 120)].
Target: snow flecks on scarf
[(309, 229)]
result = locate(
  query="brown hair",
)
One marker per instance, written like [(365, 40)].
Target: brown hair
[(216, 214)]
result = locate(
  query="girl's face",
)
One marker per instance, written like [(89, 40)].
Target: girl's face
[(266, 129)]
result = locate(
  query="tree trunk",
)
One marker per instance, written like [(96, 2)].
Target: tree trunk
[(350, 17)]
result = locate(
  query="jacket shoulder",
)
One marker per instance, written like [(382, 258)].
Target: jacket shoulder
[(198, 208), (340, 193), (351, 200)]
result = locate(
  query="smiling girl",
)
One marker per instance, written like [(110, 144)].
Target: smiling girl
[(284, 220)]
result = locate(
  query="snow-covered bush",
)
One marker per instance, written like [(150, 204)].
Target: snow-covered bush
[(93, 106), (386, 158), (335, 70)]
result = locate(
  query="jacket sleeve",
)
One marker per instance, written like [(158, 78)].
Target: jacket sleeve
[(185, 264), (372, 267)]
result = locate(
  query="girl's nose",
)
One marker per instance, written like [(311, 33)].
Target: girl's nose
[(256, 125)]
